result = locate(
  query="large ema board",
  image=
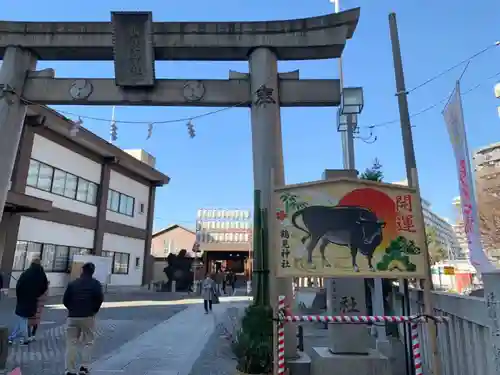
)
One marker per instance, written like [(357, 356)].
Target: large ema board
[(349, 227)]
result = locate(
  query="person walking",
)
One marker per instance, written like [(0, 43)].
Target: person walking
[(218, 277), (233, 282), (83, 299), (208, 292), (32, 284), (224, 281)]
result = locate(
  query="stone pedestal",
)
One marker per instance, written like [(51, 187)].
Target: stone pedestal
[(323, 362), (348, 298), (300, 365)]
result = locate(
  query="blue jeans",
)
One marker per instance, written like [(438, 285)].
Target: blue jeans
[(20, 329)]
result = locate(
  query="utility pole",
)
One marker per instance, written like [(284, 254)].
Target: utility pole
[(411, 174)]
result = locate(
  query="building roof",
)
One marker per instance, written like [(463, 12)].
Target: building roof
[(60, 124), (172, 227), (487, 148)]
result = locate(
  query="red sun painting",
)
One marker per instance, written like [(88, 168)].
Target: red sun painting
[(379, 203)]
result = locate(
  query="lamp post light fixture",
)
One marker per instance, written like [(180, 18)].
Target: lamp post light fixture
[(351, 105), (343, 121), (351, 101)]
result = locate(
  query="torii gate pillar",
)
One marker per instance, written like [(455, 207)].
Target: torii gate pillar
[(17, 63), (268, 166)]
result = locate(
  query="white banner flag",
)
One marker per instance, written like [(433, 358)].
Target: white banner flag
[(454, 118)]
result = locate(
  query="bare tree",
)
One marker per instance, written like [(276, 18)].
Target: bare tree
[(488, 199)]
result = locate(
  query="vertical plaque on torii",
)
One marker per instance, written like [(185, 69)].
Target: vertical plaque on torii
[(133, 49)]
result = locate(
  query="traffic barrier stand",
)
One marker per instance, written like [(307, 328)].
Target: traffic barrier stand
[(414, 320)]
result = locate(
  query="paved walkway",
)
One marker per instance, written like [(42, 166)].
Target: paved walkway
[(122, 319), (170, 348)]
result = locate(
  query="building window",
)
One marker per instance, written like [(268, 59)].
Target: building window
[(120, 203), (86, 192), (71, 186), (44, 181), (61, 259), (59, 182), (120, 263), (137, 262), (48, 257), (54, 258), (76, 251), (25, 253)]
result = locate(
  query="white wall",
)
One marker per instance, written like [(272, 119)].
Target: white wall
[(140, 192), (36, 230), (60, 157), (132, 246)]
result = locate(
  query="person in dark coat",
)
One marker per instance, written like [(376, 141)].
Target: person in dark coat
[(32, 284), (83, 299)]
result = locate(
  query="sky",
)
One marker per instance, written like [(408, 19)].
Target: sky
[(215, 168)]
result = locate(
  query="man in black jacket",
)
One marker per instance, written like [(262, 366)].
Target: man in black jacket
[(32, 284), (83, 299)]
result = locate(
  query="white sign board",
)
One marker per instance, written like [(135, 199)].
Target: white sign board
[(102, 266)]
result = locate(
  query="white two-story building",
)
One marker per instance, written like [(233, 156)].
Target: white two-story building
[(76, 194)]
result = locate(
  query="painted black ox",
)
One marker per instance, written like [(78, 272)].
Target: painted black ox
[(355, 227)]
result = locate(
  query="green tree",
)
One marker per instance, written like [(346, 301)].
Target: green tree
[(374, 173), (436, 251)]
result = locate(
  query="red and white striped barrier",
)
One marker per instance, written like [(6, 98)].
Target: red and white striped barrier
[(284, 316), (281, 337), (361, 319), (415, 347)]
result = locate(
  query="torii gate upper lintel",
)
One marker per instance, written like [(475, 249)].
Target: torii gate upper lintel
[(319, 37)]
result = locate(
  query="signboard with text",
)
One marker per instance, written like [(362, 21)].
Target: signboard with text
[(349, 227), (133, 49), (447, 270)]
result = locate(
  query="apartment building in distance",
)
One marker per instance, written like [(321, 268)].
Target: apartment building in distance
[(459, 228), (76, 194)]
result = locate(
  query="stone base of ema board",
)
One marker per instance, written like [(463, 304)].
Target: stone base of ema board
[(373, 363)]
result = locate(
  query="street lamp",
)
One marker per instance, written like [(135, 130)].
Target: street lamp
[(351, 100), (343, 121), (351, 105)]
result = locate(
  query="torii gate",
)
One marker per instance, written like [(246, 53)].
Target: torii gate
[(134, 42)]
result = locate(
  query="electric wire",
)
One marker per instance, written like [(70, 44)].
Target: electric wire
[(468, 60), (432, 106)]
